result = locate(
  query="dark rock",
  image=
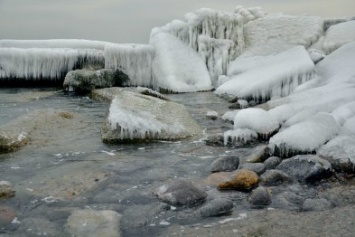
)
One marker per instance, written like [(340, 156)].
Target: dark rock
[(258, 154), (243, 180), (240, 104), (258, 168), (288, 200), (216, 207), (306, 168), (215, 140), (316, 205), (6, 190), (260, 197), (234, 99), (180, 193), (212, 115), (150, 92), (227, 163), (272, 162), (275, 178)]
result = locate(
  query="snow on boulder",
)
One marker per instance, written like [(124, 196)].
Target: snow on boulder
[(340, 152), (305, 137), (240, 135), (136, 117), (257, 120), (279, 76), (176, 67)]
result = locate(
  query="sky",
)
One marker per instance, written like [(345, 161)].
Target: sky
[(130, 21)]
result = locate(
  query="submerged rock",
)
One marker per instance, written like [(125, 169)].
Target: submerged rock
[(87, 223), (306, 168), (227, 163), (6, 190), (243, 180), (288, 200), (135, 117), (316, 205), (216, 207), (275, 178), (180, 193), (86, 80), (260, 197)]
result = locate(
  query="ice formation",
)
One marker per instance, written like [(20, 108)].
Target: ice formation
[(279, 76), (176, 67), (256, 119), (133, 60), (44, 63), (242, 135)]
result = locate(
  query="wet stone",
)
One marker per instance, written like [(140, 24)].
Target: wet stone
[(215, 140), (306, 168), (320, 204), (288, 200), (90, 223), (272, 162), (243, 180), (212, 115), (227, 163), (275, 178), (258, 168), (6, 190), (260, 197), (216, 207), (180, 193), (258, 154)]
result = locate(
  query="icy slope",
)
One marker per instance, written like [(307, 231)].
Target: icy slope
[(275, 77)]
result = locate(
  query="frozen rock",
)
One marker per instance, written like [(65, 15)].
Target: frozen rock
[(306, 168), (6, 190), (275, 178), (258, 168), (227, 163), (272, 162), (216, 207), (260, 197), (320, 204), (230, 115), (136, 117), (239, 136), (243, 180), (150, 92), (340, 152), (212, 115), (89, 223), (240, 104), (85, 80), (215, 140), (181, 193)]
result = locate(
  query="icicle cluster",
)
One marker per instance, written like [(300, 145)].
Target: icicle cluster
[(244, 136)]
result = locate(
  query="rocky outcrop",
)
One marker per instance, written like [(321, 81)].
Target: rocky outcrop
[(139, 118)]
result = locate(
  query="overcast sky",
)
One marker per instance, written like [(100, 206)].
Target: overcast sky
[(130, 21)]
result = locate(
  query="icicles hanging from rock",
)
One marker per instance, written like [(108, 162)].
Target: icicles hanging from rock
[(279, 76), (133, 60), (45, 64)]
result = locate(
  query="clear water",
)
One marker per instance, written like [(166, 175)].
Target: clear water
[(73, 169)]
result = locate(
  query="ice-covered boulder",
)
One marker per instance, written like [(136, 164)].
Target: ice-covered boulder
[(340, 152), (136, 117), (177, 67), (86, 80), (305, 137), (240, 135), (278, 76)]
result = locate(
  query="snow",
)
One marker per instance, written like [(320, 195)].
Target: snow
[(239, 135), (43, 63), (134, 60), (349, 126), (256, 119), (306, 136), (176, 67), (230, 115), (279, 76)]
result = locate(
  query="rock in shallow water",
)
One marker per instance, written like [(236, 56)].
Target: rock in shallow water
[(243, 180), (258, 168), (216, 207), (306, 168), (136, 117), (180, 193), (316, 205), (6, 190), (227, 163), (272, 162), (260, 197), (275, 178)]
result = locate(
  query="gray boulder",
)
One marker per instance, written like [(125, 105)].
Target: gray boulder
[(134, 117), (272, 162), (86, 80), (181, 193), (288, 200), (260, 197), (216, 207), (227, 163), (275, 178), (306, 168), (258, 168)]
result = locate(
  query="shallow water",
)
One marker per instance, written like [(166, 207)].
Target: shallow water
[(72, 168)]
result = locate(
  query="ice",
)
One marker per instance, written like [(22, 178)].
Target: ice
[(176, 67), (239, 135), (43, 63), (256, 119), (279, 76), (277, 33), (349, 126), (134, 60), (306, 136), (230, 115)]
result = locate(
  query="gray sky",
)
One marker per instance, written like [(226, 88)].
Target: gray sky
[(130, 21)]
